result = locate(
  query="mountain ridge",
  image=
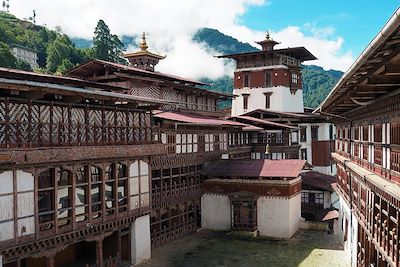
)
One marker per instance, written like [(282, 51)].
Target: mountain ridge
[(57, 53)]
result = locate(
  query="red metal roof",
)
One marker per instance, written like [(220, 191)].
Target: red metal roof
[(330, 215), (195, 119), (254, 168), (264, 122), (318, 180)]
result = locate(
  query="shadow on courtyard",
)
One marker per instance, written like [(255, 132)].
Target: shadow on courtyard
[(206, 248)]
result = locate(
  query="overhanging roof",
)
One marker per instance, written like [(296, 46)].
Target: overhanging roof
[(300, 53), (289, 168), (318, 180), (19, 80), (124, 72), (263, 122), (86, 69), (374, 74), (281, 116), (195, 119)]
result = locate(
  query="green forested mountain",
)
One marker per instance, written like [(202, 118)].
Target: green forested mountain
[(222, 43), (57, 53)]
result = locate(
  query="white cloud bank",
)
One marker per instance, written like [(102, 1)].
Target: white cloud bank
[(171, 24)]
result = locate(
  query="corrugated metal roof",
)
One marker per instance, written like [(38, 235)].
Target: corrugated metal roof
[(254, 168), (192, 118), (318, 180), (264, 122), (330, 215)]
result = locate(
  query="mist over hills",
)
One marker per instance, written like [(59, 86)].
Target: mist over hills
[(57, 53)]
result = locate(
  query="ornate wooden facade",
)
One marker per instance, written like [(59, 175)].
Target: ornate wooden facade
[(365, 106)]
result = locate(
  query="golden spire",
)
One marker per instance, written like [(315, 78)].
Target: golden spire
[(267, 37), (143, 43)]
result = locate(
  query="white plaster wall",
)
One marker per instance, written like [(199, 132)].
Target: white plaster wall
[(26, 226), (335, 200), (6, 210), (323, 135), (278, 217), (25, 181), (281, 100), (6, 230), (294, 214), (215, 212), (140, 240), (350, 245), (327, 199), (6, 181)]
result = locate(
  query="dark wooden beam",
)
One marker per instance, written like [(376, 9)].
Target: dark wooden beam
[(103, 77), (384, 80), (392, 69), (376, 88), (37, 94)]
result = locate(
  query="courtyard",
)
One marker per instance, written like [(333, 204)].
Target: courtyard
[(206, 248)]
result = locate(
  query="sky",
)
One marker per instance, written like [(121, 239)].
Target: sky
[(336, 31)]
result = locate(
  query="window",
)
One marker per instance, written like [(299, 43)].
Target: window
[(314, 133), (295, 78), (64, 196), (279, 138), (268, 99), (46, 200), (245, 101), (186, 143), (303, 134), (268, 79), (110, 189), (209, 142), (331, 132), (246, 80), (96, 191), (223, 141), (81, 194), (304, 197), (304, 153), (311, 197)]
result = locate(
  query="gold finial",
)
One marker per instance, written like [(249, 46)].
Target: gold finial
[(267, 37), (143, 43)]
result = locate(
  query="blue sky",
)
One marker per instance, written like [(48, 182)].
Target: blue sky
[(357, 22)]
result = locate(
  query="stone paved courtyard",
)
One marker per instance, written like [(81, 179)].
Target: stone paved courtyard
[(206, 248)]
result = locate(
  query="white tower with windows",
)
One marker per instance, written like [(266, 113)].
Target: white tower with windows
[(269, 79)]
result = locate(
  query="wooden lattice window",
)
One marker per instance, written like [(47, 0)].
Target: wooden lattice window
[(46, 197), (64, 196), (378, 133), (395, 133), (365, 132), (314, 133), (303, 134)]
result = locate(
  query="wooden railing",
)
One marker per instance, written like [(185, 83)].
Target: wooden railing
[(28, 123)]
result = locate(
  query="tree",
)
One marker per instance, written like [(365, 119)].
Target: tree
[(106, 46), (65, 66), (7, 59), (62, 48)]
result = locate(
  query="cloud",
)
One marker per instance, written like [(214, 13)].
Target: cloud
[(170, 26)]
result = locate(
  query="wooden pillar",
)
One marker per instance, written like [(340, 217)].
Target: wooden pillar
[(99, 253)]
